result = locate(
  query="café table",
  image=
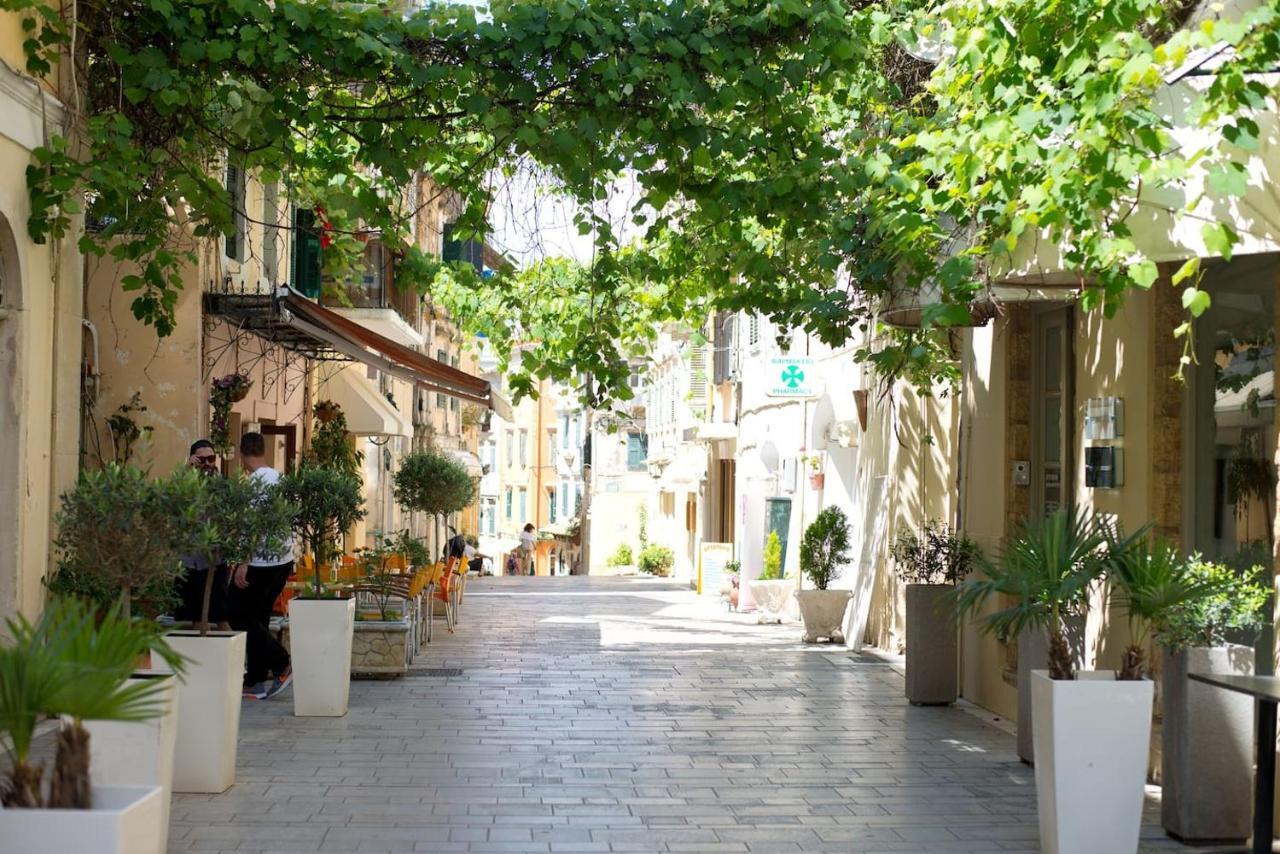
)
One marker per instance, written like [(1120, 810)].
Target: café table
[(1265, 691)]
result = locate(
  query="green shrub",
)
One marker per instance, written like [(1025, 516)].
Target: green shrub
[(1234, 611), (824, 549), (326, 503), (622, 557), (656, 560), (934, 555), (772, 558)]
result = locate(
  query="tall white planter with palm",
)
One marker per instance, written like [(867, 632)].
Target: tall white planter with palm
[(1091, 729), (75, 665)]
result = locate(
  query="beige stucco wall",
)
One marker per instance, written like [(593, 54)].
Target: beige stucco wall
[(40, 347)]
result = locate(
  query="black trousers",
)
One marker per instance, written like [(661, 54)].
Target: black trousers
[(191, 591), (251, 613)]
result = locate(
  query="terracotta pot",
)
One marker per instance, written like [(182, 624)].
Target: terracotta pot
[(817, 480)]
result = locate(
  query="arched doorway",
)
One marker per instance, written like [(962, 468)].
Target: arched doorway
[(12, 373)]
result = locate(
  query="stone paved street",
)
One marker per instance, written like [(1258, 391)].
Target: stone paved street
[(584, 715)]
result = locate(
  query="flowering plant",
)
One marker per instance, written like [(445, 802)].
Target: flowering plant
[(223, 394)]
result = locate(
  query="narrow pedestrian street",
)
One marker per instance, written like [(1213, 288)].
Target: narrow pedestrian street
[(595, 714)]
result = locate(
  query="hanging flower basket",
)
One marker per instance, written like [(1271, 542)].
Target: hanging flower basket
[(817, 480), (327, 410), (224, 393)]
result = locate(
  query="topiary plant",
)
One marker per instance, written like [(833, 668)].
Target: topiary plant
[(121, 533), (772, 558), (824, 548), (326, 503), (434, 483)]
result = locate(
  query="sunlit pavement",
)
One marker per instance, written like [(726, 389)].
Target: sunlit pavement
[(596, 715)]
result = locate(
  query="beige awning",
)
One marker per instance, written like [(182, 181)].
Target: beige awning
[(367, 411), (469, 461)]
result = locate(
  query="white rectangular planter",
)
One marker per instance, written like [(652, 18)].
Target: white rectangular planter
[(320, 637), (1092, 736), (123, 821), (772, 598), (139, 754), (208, 710)]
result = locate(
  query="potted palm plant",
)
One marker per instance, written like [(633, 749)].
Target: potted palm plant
[(771, 589), (1091, 729), (75, 664), (326, 503), (1207, 735), (239, 516), (930, 563), (824, 550)]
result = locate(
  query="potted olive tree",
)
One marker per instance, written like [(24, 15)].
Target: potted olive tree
[(321, 623), (824, 551), (75, 664), (771, 589), (930, 563), (120, 538), (239, 517), (382, 644), (1207, 734)]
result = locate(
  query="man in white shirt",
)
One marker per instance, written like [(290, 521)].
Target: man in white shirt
[(255, 586), (527, 543)]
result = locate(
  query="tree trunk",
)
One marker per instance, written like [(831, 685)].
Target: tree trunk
[(204, 603), (69, 788), (22, 788)]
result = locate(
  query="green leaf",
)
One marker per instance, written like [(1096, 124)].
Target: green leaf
[(1143, 273), (1195, 301)]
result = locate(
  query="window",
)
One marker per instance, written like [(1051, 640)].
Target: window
[(511, 445), (524, 504), (564, 497), (753, 332), (637, 451), (564, 430), (552, 453), (488, 516), (508, 497), (551, 504), (235, 240), (524, 449), (577, 431), (577, 498), (441, 356)]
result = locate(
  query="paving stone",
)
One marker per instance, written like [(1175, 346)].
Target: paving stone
[(614, 715)]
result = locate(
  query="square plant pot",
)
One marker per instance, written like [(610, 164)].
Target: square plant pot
[(1092, 737), (381, 648), (1206, 756), (932, 645), (771, 598), (1033, 654), (320, 637), (209, 696), (139, 753), (823, 613), (124, 820)]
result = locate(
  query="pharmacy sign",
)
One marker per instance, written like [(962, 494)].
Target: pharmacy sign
[(792, 376)]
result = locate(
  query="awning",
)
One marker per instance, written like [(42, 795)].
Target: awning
[(368, 413), (469, 461)]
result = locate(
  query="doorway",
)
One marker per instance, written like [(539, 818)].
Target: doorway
[(1052, 406), (282, 446)]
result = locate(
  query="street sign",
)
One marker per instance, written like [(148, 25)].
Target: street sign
[(792, 376)]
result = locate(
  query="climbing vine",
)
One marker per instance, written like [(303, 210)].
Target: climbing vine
[(804, 159)]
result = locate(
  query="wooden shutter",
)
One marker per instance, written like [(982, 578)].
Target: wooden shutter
[(308, 256), (698, 380)]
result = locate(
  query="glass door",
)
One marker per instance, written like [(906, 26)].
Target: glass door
[(1052, 410)]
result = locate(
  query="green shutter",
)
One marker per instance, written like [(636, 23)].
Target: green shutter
[(307, 254)]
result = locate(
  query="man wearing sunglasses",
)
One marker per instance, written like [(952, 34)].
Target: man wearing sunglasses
[(204, 459)]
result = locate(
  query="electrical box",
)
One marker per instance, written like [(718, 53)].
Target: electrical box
[(1103, 418), (1021, 473), (1103, 467)]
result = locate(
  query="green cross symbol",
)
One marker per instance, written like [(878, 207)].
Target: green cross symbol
[(793, 376)]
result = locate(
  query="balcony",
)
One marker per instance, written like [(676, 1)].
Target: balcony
[(371, 299)]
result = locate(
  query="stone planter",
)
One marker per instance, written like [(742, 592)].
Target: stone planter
[(124, 820), (1092, 737), (139, 753), (1033, 654), (932, 645), (381, 649), (1206, 747), (204, 758), (823, 613), (320, 634), (771, 598)]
